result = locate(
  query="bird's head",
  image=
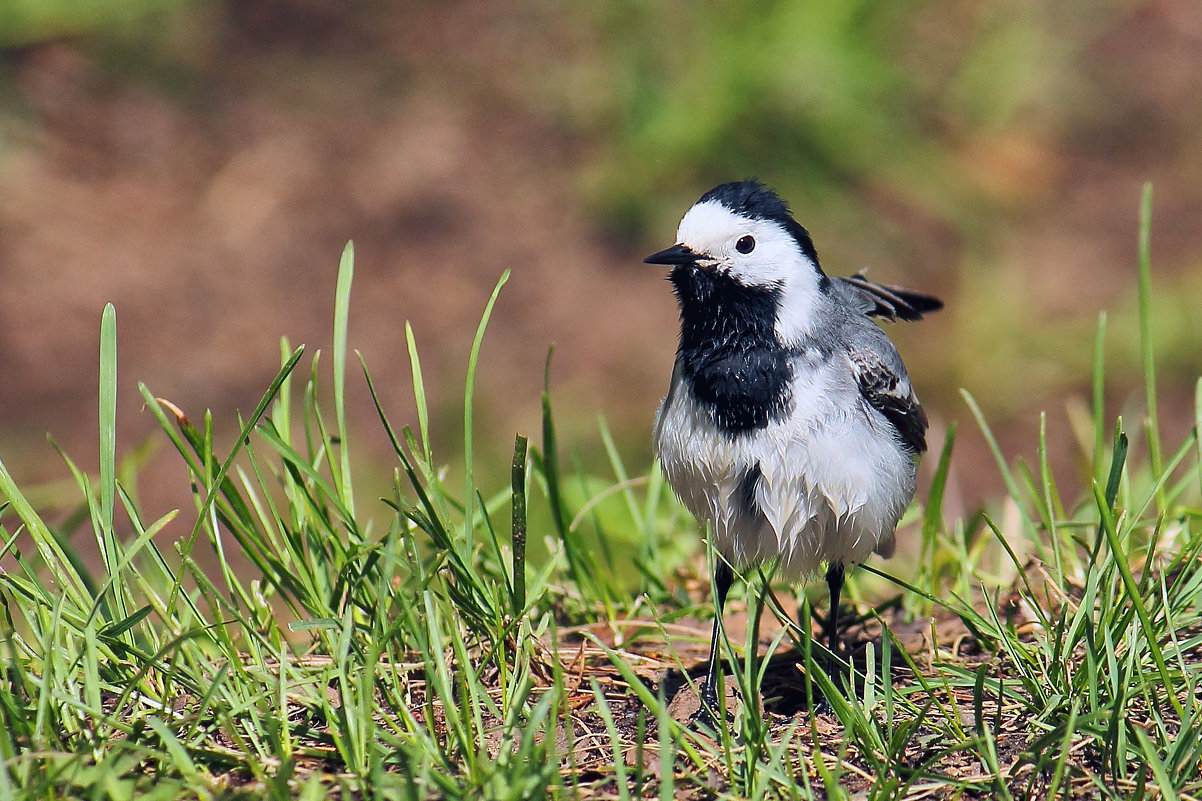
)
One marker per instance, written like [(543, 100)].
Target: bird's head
[(741, 238)]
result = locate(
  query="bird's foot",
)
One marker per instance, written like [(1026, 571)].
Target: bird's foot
[(704, 721), (707, 715), (822, 706)]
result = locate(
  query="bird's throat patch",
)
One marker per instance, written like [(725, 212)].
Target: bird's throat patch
[(730, 359)]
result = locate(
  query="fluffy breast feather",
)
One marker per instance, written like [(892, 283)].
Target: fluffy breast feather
[(829, 487)]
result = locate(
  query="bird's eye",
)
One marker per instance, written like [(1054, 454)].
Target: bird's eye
[(746, 244)]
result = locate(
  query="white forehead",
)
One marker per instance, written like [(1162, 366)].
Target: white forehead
[(712, 228), (708, 225)]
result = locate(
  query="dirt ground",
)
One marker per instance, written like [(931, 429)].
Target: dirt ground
[(209, 194)]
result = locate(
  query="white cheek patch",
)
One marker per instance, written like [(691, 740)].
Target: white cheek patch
[(795, 317)]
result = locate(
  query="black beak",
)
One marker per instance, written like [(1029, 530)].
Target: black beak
[(675, 255)]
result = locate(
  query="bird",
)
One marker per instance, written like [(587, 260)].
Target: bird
[(790, 429)]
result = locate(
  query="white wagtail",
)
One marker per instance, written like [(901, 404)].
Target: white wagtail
[(790, 428)]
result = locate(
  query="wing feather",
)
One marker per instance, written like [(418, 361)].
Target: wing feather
[(887, 390)]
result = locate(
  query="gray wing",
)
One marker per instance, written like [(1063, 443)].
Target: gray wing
[(884, 300), (884, 385)]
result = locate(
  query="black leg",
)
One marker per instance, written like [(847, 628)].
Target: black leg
[(834, 582), (723, 578)]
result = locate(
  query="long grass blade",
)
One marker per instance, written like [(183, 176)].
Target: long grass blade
[(342, 304), (469, 392), (1147, 350), (518, 515), (108, 454)]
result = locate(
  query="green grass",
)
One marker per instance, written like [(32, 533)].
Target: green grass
[(421, 645)]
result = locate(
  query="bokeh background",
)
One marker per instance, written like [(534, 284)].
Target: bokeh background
[(200, 163)]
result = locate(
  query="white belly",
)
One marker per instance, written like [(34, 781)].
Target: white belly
[(834, 481)]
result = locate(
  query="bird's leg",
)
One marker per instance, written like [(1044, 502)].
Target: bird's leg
[(834, 581), (707, 714)]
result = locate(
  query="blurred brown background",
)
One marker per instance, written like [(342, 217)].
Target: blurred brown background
[(201, 164)]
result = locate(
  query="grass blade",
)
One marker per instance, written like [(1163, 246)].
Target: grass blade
[(469, 392), (108, 451), (342, 303), (518, 484), (1152, 423)]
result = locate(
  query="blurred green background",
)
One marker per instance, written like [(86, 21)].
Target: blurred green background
[(200, 163)]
